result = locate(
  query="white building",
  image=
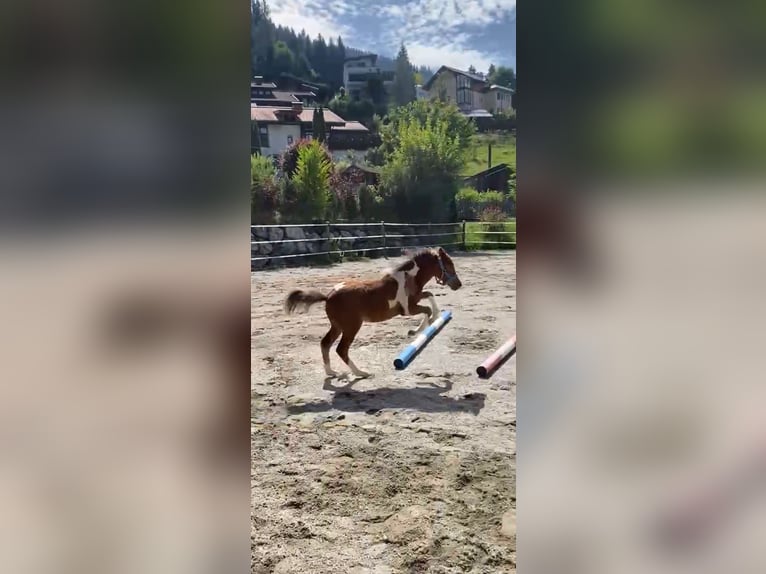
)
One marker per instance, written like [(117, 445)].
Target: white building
[(359, 70)]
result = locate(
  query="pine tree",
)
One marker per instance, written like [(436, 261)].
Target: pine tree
[(315, 124), (404, 83), (255, 138), (318, 126), (323, 131)]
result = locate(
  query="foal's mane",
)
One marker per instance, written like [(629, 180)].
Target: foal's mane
[(413, 257)]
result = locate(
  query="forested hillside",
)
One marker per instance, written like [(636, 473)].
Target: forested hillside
[(276, 50)]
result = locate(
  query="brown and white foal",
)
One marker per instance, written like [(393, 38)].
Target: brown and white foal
[(398, 292)]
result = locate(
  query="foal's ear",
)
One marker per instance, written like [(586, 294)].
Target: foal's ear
[(441, 251)]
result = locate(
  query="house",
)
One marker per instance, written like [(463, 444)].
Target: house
[(358, 71), (421, 93), (267, 94), (362, 173), (281, 126), (498, 98), (472, 93)]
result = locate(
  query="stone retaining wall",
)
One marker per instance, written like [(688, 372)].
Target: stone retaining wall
[(306, 240)]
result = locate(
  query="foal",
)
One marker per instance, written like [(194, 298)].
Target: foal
[(397, 292)]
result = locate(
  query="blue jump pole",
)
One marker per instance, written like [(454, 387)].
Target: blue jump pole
[(412, 350)]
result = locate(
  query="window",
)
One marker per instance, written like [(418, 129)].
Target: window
[(289, 140), (499, 96), (264, 133), (464, 94)]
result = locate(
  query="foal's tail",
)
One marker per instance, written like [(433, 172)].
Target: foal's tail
[(301, 300)]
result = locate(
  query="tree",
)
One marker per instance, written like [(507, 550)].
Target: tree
[(284, 59), (376, 90), (503, 77), (491, 71), (426, 113), (312, 180), (255, 138), (314, 60), (420, 178), (471, 69), (318, 126), (264, 193), (404, 81)]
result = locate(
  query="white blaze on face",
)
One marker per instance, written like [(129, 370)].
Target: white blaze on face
[(401, 291), (339, 286)]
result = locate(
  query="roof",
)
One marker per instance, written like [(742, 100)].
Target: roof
[(266, 114), (474, 77), (477, 114), (351, 126), (362, 57), (330, 117), (501, 88), (271, 85)]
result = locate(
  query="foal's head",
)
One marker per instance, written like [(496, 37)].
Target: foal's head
[(446, 273)]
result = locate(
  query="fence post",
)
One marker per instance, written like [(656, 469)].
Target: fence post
[(464, 235), (383, 233), (429, 240)]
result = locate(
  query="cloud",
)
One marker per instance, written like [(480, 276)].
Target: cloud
[(434, 57), (439, 32), (442, 15), (436, 32), (311, 18)]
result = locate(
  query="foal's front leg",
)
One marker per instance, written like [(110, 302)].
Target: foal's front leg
[(429, 315)]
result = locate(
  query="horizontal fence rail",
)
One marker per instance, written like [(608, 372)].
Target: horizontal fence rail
[(270, 244)]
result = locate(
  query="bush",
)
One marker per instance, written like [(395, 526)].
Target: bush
[(471, 203), (312, 181), (288, 161), (497, 219), (370, 203), (419, 181), (493, 214), (264, 191)]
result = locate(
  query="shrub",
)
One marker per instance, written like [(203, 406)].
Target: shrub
[(370, 203), (264, 191), (312, 181), (288, 161), (419, 181), (470, 203), (493, 214)]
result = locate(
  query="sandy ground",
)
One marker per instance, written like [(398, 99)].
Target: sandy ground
[(406, 472)]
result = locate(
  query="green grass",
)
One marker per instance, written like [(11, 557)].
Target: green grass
[(503, 151), (476, 238)]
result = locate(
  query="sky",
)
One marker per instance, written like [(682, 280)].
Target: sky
[(457, 33)]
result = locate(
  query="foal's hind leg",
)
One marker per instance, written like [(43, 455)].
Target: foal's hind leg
[(349, 332), (327, 342)]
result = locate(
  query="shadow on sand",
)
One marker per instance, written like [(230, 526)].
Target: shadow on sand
[(428, 398)]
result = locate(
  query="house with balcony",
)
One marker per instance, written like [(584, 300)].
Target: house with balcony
[(264, 93), (359, 71), (472, 93), (281, 126)]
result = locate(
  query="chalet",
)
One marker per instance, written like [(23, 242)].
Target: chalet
[(472, 93)]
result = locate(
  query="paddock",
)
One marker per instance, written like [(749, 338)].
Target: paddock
[(407, 471)]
